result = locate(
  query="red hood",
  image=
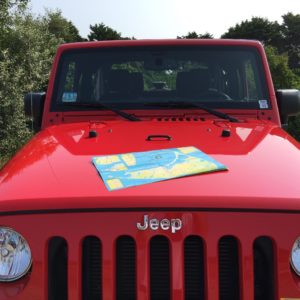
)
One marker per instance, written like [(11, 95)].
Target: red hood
[(54, 170)]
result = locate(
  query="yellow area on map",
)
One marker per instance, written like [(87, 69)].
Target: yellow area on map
[(119, 167), (107, 160), (114, 183), (187, 150), (129, 159), (192, 165)]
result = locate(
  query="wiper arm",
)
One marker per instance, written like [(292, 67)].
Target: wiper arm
[(186, 104), (104, 106)]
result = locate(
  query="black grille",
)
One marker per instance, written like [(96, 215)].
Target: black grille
[(194, 262), (263, 269), (126, 268), (57, 269), (229, 283), (91, 269), (159, 268), (194, 268)]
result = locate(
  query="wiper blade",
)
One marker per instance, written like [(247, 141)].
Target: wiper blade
[(187, 104), (104, 106)]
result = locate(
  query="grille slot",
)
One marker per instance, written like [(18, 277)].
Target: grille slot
[(57, 269), (263, 269), (194, 268), (159, 268), (91, 269), (229, 283), (126, 268)]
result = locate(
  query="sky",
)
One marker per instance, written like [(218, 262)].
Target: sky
[(148, 19)]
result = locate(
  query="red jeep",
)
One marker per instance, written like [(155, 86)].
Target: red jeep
[(227, 235)]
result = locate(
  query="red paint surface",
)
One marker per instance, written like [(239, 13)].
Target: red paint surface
[(54, 170), (108, 226)]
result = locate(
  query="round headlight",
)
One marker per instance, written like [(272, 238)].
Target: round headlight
[(15, 255), (295, 256)]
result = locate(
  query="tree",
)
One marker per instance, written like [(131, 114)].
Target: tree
[(283, 77), (291, 33), (26, 56), (195, 35), (61, 27), (6, 6), (285, 37), (101, 32), (261, 29), (294, 127)]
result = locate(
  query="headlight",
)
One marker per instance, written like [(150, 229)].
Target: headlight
[(295, 256), (15, 255)]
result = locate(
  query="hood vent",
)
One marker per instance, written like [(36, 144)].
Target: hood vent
[(179, 119)]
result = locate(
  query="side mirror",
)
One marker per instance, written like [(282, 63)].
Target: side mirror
[(288, 103), (34, 107)]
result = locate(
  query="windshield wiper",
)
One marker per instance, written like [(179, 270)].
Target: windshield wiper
[(186, 104), (104, 106)]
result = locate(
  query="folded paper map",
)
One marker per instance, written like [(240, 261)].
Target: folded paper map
[(136, 168)]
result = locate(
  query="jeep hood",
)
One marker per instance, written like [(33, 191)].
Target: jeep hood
[(55, 171)]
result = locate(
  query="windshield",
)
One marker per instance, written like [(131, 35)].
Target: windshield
[(137, 77)]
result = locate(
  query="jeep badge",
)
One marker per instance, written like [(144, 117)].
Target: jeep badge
[(165, 224)]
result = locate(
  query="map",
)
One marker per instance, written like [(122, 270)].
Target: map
[(136, 168)]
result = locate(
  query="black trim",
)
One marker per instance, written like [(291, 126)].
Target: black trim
[(264, 268), (194, 268), (229, 268), (158, 137), (91, 273), (142, 209), (160, 268), (126, 266), (57, 269)]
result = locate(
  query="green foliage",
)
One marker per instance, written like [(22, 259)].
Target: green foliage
[(261, 29), (284, 37), (283, 77), (294, 127), (26, 54), (6, 8), (24, 66), (61, 27), (291, 29), (291, 34), (13, 132), (7, 5), (195, 35), (101, 32)]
